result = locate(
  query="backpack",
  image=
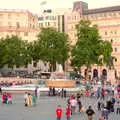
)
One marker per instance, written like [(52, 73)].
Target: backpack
[(113, 100)]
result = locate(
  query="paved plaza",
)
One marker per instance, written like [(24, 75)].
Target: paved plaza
[(45, 109)]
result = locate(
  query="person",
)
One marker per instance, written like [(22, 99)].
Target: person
[(65, 92), (102, 94), (101, 118), (118, 108), (99, 106), (112, 103), (9, 98), (62, 93), (90, 112), (79, 104), (0, 90), (54, 91), (25, 98), (98, 93), (92, 92), (73, 103), (36, 92), (68, 112), (4, 98), (34, 99), (87, 92), (59, 112), (115, 92), (29, 100), (104, 113), (50, 91), (108, 105), (113, 89)]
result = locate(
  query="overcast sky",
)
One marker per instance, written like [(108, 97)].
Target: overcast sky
[(34, 5)]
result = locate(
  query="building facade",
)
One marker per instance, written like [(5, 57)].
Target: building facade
[(27, 26), (53, 18), (108, 20), (18, 22)]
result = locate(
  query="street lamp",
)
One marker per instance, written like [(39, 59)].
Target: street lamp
[(51, 46)]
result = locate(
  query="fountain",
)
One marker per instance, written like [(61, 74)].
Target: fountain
[(60, 79)]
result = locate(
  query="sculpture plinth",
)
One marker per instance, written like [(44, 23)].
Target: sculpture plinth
[(60, 79), (60, 83)]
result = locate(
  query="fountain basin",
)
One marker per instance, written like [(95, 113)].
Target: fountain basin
[(59, 83)]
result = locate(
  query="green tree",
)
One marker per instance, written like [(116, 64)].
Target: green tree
[(14, 51), (52, 46), (89, 47)]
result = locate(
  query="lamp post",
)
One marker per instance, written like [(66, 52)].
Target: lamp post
[(101, 57), (51, 46)]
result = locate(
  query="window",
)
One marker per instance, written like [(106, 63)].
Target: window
[(111, 32), (9, 24), (115, 49), (25, 33), (41, 24), (34, 64), (115, 59), (75, 17), (18, 25), (111, 40), (40, 18), (30, 25), (33, 26), (9, 15), (105, 32), (48, 23)]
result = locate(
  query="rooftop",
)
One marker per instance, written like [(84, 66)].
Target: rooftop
[(101, 10)]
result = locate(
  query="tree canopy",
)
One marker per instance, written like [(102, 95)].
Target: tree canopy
[(14, 51), (52, 46), (89, 47)]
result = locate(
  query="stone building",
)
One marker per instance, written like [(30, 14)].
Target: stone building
[(18, 22), (107, 19)]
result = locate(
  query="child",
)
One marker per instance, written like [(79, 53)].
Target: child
[(9, 98)]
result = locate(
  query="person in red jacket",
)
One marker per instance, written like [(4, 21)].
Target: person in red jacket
[(68, 112), (59, 112), (103, 94)]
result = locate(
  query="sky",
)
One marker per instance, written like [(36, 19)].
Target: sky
[(35, 7)]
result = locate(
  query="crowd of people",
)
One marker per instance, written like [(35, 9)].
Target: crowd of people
[(30, 99), (105, 105)]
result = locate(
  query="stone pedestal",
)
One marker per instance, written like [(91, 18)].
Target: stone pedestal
[(60, 83), (111, 76)]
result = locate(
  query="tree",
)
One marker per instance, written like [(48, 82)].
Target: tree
[(89, 46), (52, 46), (14, 51)]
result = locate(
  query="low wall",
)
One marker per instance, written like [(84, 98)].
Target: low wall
[(11, 79), (60, 83)]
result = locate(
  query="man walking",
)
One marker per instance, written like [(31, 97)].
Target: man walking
[(90, 112), (59, 112)]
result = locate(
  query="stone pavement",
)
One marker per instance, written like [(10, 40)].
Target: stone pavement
[(45, 109)]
